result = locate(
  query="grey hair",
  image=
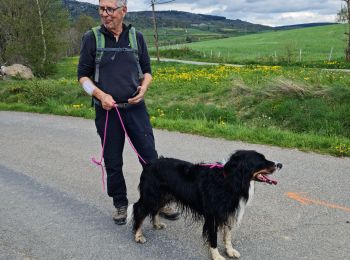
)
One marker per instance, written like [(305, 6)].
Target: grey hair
[(121, 2)]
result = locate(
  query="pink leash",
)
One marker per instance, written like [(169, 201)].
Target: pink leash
[(99, 163), (132, 146)]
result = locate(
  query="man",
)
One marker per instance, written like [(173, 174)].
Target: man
[(116, 81)]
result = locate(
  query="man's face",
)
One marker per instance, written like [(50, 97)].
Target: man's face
[(111, 15)]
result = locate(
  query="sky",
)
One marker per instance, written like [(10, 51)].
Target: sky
[(266, 12)]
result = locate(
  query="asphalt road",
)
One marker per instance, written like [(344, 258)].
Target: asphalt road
[(52, 205)]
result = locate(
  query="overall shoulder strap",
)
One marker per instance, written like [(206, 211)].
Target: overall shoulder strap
[(100, 44), (134, 46), (132, 39)]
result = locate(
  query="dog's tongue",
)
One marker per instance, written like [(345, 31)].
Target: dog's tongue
[(266, 179)]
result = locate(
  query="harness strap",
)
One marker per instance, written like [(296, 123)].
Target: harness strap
[(100, 44), (133, 45), (100, 48), (117, 49), (212, 165)]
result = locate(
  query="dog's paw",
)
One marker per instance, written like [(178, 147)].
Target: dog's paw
[(215, 255), (159, 226), (140, 239), (233, 253), (218, 257)]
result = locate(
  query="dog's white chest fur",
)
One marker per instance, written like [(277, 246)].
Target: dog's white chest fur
[(242, 205)]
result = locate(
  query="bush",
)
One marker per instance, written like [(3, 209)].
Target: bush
[(35, 92)]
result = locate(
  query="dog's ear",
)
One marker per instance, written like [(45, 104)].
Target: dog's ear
[(237, 172), (233, 163), (238, 166)]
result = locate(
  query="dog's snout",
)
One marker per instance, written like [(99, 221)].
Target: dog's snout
[(279, 165)]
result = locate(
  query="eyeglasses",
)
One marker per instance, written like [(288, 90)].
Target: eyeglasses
[(109, 10)]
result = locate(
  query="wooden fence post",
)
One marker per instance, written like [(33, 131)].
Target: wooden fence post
[(330, 54)]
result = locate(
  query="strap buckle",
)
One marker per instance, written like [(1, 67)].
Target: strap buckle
[(119, 105), (122, 105)]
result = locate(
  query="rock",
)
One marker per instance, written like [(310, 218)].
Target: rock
[(17, 70)]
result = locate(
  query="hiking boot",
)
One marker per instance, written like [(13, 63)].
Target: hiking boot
[(168, 212), (120, 214)]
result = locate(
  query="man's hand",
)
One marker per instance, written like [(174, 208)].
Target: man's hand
[(107, 102), (141, 89), (139, 97)]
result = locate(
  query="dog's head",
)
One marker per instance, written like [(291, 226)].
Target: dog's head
[(251, 165)]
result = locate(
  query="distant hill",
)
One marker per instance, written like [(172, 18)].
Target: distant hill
[(179, 19), (176, 27), (304, 25), (76, 9), (173, 19)]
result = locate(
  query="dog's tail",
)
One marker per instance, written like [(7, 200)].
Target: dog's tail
[(130, 213)]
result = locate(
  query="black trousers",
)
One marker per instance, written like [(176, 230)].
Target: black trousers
[(139, 129)]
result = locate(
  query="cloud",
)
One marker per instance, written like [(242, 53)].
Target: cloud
[(268, 12)]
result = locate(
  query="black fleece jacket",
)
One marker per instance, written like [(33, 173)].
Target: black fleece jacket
[(118, 73)]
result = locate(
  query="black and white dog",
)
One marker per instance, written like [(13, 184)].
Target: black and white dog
[(216, 194)]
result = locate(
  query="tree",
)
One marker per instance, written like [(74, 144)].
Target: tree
[(82, 25), (33, 33), (10, 24), (43, 36), (344, 16)]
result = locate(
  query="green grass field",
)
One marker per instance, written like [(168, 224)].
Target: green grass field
[(307, 109), (309, 45), (171, 36)]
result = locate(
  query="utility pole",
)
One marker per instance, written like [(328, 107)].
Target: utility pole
[(153, 3), (347, 51), (155, 29)]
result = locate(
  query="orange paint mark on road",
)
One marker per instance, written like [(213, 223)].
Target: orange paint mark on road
[(300, 197)]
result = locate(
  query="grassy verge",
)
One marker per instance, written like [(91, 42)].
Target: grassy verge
[(337, 146), (307, 109)]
